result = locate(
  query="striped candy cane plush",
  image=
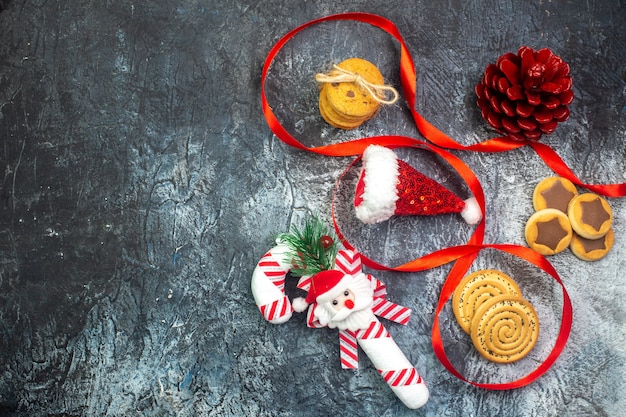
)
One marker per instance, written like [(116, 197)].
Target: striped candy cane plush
[(268, 285), (386, 356), (374, 339), (268, 289)]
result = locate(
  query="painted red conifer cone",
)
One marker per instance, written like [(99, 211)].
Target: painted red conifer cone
[(526, 95)]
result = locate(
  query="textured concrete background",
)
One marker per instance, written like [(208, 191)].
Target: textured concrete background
[(140, 185)]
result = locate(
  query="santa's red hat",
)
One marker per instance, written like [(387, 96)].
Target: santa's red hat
[(325, 286), (389, 186)]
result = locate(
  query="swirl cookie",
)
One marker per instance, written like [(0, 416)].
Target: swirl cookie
[(505, 329), (590, 215), (548, 231), (475, 289), (554, 192), (592, 249)]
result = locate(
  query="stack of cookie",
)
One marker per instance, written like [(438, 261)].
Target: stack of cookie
[(564, 218), (351, 93), (488, 305)]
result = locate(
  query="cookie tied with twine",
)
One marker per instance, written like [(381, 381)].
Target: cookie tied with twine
[(352, 92)]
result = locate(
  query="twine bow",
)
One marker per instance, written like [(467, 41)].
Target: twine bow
[(376, 91)]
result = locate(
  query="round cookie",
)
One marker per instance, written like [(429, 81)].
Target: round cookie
[(341, 116), (592, 249), (554, 192), (347, 98), (548, 231), (505, 329), (590, 215), (332, 117), (475, 289)]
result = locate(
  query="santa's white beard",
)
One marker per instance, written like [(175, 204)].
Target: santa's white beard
[(358, 317), (355, 321)]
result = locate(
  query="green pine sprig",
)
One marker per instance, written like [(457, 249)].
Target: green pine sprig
[(312, 250)]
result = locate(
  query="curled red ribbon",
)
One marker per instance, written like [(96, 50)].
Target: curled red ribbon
[(431, 133), (456, 275), (464, 255)]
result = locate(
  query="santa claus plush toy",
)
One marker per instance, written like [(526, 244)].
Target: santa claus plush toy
[(388, 186), (339, 295), (345, 301)]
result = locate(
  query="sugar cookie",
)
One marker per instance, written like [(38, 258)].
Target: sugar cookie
[(332, 118), (352, 92), (348, 98), (590, 215), (475, 289), (505, 329), (592, 249), (554, 192), (548, 231)]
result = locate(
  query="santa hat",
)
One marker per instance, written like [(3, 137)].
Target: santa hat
[(325, 286), (388, 186)]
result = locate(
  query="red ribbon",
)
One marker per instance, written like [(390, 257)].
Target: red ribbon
[(456, 275), (464, 255), (431, 133)]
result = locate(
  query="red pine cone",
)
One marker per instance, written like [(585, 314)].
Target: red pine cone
[(526, 95)]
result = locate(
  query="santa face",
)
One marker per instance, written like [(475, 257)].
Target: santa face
[(346, 299), (352, 308)]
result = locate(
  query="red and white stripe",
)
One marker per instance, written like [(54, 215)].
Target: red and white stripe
[(380, 289), (348, 262), (311, 318), (393, 365), (375, 330), (391, 311), (348, 349), (304, 283), (268, 285), (273, 270), (406, 376), (276, 310)]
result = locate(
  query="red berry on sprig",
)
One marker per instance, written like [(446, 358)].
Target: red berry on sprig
[(311, 249), (326, 241)]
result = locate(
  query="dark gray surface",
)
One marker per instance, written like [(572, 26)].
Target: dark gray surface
[(141, 185)]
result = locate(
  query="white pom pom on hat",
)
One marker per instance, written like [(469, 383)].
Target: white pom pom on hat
[(388, 186), (299, 304)]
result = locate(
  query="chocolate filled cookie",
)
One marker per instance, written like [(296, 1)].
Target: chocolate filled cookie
[(592, 249), (554, 192), (590, 215), (548, 231)]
